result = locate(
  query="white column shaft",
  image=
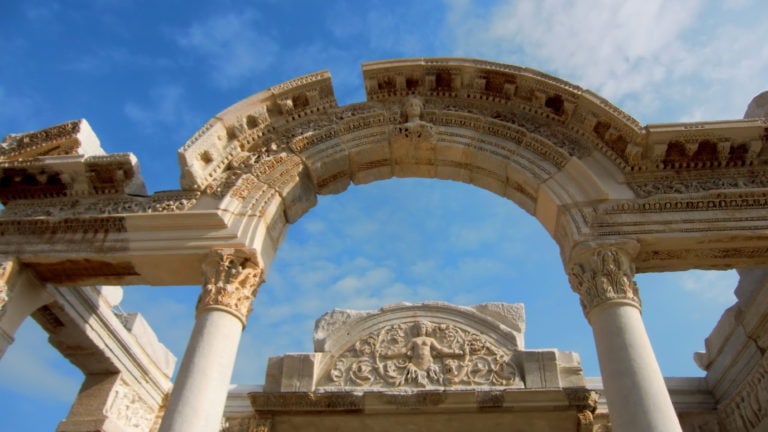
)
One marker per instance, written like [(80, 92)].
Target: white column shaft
[(200, 391), (637, 397)]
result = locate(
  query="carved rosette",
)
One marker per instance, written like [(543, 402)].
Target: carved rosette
[(421, 354), (601, 275), (232, 278)]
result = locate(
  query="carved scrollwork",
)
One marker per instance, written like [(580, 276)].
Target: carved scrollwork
[(602, 275), (232, 279), (422, 354)]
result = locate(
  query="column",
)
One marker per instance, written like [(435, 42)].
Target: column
[(232, 278), (637, 397)]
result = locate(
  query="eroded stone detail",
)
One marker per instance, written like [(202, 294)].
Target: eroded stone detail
[(53, 141), (6, 267), (161, 202), (680, 185), (601, 275), (747, 409), (129, 409), (246, 424), (232, 278), (422, 354), (306, 401)]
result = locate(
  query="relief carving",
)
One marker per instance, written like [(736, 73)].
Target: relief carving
[(130, 410), (232, 278), (722, 179), (747, 409), (414, 129), (422, 354), (6, 267), (53, 141), (603, 275), (161, 202)]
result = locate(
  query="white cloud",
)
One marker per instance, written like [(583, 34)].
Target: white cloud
[(231, 45), (711, 286), (646, 56)]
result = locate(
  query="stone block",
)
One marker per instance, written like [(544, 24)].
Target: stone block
[(292, 373), (571, 373), (540, 369), (147, 339)]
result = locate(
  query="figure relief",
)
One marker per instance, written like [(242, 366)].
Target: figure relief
[(422, 354), (414, 128), (232, 278)]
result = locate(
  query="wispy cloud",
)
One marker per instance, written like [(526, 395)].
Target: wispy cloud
[(31, 366), (102, 61), (166, 107), (634, 52), (231, 45)]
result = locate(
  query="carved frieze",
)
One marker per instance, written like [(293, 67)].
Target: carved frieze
[(232, 278), (53, 141), (603, 274), (53, 228), (421, 354), (129, 410), (747, 409), (699, 202), (649, 185), (161, 202)]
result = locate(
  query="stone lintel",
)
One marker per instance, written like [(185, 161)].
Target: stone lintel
[(423, 401)]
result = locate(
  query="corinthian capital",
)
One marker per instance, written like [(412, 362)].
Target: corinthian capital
[(232, 278), (601, 274)]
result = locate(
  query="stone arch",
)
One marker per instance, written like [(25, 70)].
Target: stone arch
[(543, 143), (583, 168)]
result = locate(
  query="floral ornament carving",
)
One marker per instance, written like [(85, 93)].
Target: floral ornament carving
[(602, 275), (232, 278), (421, 354)]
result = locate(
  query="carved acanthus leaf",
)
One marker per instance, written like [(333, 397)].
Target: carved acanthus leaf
[(602, 275), (232, 278)]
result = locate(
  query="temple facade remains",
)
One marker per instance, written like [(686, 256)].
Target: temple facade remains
[(618, 198)]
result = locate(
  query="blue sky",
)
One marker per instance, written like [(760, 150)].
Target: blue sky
[(147, 75)]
